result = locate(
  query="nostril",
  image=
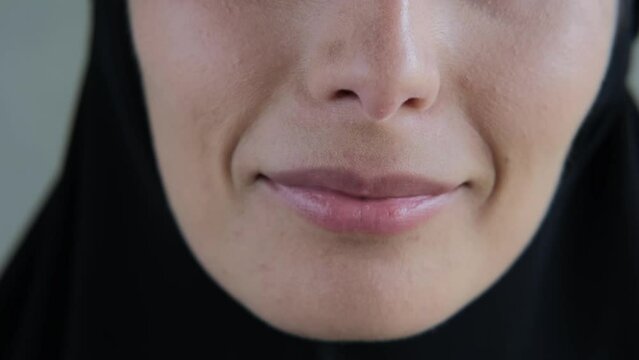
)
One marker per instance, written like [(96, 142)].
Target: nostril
[(415, 102), (344, 93)]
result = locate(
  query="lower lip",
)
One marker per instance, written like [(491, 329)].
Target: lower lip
[(341, 213)]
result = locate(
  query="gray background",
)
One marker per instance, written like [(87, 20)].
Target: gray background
[(42, 56), (43, 48)]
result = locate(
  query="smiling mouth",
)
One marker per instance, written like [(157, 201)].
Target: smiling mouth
[(341, 201)]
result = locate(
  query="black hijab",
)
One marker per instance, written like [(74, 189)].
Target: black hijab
[(103, 272)]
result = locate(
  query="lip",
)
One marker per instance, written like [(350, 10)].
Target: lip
[(341, 200)]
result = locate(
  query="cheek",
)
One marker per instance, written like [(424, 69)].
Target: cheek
[(207, 69), (527, 106), (531, 82)]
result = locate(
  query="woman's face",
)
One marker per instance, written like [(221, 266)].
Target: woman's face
[(473, 102)]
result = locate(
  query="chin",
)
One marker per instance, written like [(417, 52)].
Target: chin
[(367, 322), (356, 331)]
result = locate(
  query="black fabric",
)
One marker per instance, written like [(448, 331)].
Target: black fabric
[(103, 272)]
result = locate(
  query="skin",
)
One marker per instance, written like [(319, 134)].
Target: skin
[(484, 93)]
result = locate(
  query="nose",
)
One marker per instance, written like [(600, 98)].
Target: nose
[(373, 55)]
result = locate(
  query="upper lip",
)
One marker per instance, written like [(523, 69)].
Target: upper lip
[(355, 184)]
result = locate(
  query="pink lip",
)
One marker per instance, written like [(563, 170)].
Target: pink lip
[(344, 201)]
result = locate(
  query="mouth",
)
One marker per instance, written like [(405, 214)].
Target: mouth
[(343, 201)]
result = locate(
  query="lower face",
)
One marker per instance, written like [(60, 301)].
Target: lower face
[(483, 96)]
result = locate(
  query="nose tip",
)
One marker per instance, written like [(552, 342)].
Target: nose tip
[(377, 67), (381, 101)]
